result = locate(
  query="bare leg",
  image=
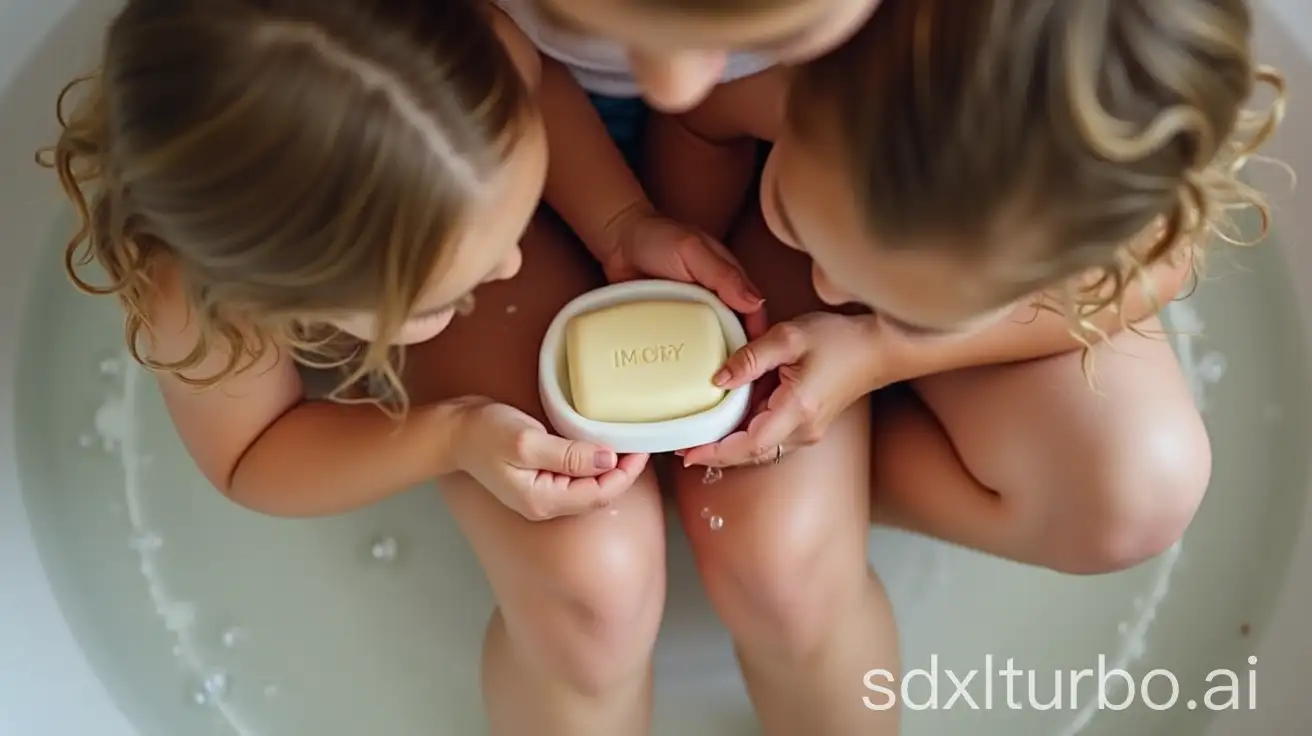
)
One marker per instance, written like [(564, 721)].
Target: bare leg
[(1029, 463), (788, 571), (568, 650)]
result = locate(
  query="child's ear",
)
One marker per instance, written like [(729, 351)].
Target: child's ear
[(522, 51)]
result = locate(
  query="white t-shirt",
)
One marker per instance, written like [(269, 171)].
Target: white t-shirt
[(602, 66)]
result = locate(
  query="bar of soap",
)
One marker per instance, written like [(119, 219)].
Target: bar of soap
[(645, 361)]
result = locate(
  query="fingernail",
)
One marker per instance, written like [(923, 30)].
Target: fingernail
[(680, 453), (720, 378), (604, 460)]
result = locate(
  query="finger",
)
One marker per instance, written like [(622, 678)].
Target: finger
[(756, 323), (579, 495), (781, 345), (537, 450), (772, 429), (715, 271), (735, 449)]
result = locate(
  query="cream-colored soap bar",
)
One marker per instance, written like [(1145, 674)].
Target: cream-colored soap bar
[(646, 361)]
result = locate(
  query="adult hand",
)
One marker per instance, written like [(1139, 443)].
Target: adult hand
[(537, 474), (650, 244), (825, 362)]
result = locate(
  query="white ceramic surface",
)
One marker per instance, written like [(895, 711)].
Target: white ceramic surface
[(653, 437), (125, 583)]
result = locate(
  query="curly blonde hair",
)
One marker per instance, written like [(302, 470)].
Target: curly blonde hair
[(1119, 126), (293, 161)]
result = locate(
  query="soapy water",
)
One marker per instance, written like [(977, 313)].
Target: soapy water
[(211, 686), (117, 432)]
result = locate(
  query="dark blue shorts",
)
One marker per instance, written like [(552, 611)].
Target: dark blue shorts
[(626, 121)]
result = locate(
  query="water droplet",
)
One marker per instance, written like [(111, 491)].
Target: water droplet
[(706, 513), (111, 367), (465, 306), (144, 542), (511, 309), (86, 441), (232, 637), (270, 691), (712, 475), (384, 549), (212, 689), (1212, 367), (716, 522)]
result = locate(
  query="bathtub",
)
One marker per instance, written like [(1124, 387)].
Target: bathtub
[(135, 601)]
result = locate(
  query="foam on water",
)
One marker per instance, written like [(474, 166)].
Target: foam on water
[(116, 427)]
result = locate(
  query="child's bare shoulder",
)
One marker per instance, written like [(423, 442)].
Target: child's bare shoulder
[(173, 332), (751, 107), (521, 50)]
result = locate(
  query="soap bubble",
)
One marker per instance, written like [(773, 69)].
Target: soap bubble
[(384, 549), (1212, 367), (716, 523), (212, 689), (232, 637), (511, 309), (712, 475), (706, 513)]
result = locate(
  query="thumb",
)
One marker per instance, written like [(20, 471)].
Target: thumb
[(780, 345), (538, 450)]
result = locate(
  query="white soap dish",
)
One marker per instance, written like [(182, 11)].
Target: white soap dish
[(650, 437)]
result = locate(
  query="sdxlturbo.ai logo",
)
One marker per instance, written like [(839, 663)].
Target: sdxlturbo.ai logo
[(1018, 689)]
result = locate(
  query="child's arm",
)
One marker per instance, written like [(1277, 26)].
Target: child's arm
[(592, 188), (1029, 333), (588, 182), (700, 164), (260, 443)]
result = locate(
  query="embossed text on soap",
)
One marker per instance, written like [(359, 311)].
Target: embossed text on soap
[(666, 353)]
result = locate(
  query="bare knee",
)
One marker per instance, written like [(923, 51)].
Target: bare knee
[(778, 585), (580, 597), (1136, 498), (594, 613)]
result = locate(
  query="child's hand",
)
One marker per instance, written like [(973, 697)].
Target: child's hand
[(537, 474), (825, 362), (649, 244)]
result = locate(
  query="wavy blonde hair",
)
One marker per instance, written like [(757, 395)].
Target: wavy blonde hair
[(294, 161), (1118, 126)]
